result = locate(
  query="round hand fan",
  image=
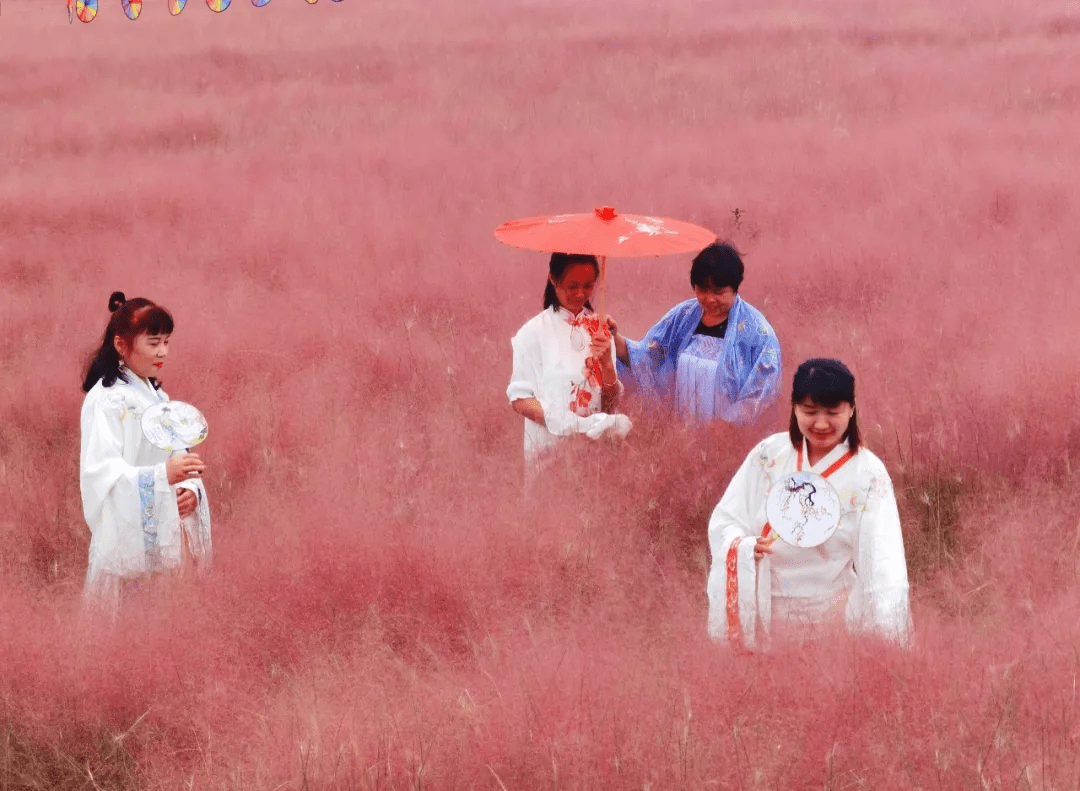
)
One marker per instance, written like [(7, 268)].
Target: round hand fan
[(174, 425), (803, 509)]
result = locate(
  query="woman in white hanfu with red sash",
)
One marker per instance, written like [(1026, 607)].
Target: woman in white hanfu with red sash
[(564, 381), (759, 587)]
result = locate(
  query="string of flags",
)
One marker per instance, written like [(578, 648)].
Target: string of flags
[(87, 10)]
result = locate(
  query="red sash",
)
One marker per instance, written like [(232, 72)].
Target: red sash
[(731, 561)]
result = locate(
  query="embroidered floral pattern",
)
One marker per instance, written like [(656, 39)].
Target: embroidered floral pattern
[(118, 400), (880, 488), (731, 563), (148, 509), (853, 499), (583, 400), (766, 461), (656, 352)]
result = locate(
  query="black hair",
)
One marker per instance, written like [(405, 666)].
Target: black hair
[(717, 266), (828, 383), (560, 262), (130, 317)]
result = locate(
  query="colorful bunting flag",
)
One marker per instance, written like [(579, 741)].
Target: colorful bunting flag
[(87, 10)]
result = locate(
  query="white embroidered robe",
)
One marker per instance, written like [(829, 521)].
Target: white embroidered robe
[(128, 503), (550, 351), (859, 574)]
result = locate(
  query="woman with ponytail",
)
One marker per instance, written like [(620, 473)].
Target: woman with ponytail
[(146, 507), (564, 380)]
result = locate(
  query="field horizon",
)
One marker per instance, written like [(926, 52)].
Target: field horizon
[(312, 191)]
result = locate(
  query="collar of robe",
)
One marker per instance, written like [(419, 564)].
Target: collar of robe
[(579, 319), (840, 455), (137, 381)]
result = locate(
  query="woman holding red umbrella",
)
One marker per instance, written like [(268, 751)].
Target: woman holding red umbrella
[(564, 380)]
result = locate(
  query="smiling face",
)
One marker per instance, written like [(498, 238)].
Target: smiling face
[(145, 356), (575, 287), (715, 302), (822, 426)]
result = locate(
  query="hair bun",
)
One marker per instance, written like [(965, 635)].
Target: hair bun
[(116, 299)]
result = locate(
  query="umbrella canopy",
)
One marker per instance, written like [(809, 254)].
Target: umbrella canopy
[(604, 232)]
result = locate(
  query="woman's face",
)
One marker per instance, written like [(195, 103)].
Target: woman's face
[(715, 302), (823, 426), (146, 355), (575, 287)]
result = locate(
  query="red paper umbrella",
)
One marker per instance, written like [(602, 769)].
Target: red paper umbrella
[(605, 232)]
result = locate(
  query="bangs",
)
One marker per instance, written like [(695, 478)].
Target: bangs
[(707, 283), (822, 390), (153, 320)]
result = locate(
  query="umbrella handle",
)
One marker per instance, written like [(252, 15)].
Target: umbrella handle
[(601, 283)]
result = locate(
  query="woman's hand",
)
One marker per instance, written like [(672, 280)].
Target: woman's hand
[(600, 348), (182, 466), (620, 342), (763, 546), (186, 500)]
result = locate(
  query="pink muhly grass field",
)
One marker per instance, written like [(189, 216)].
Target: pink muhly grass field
[(312, 192)]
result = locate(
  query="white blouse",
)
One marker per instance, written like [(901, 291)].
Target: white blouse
[(128, 502), (550, 353), (859, 575)]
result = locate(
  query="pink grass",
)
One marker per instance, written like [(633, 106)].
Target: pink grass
[(312, 190)]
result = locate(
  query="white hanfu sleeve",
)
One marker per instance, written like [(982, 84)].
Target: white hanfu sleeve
[(197, 524), (124, 505), (739, 587), (880, 600), (525, 377)]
